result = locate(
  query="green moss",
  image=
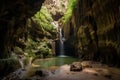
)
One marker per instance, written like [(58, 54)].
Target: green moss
[(44, 19), (44, 50), (39, 49), (68, 14), (41, 26)]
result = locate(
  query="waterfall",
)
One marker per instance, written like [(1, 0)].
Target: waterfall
[(62, 39), (55, 24), (61, 43)]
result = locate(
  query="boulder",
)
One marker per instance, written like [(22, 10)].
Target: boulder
[(76, 66), (86, 64), (42, 73)]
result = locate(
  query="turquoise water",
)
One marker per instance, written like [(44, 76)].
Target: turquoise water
[(56, 61)]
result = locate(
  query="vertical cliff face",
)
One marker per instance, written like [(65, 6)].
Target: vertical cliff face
[(13, 17), (96, 27)]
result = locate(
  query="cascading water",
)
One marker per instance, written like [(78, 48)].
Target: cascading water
[(61, 43)]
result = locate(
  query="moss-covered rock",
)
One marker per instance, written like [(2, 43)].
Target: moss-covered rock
[(96, 27), (41, 33)]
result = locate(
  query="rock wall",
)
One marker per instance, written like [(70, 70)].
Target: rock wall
[(13, 17), (57, 8), (96, 27)]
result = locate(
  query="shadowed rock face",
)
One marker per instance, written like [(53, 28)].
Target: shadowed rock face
[(13, 19), (96, 26)]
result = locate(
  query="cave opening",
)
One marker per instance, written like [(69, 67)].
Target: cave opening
[(52, 39)]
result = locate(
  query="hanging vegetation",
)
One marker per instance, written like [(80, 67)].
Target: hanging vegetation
[(68, 14), (44, 19)]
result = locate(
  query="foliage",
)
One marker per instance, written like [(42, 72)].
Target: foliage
[(44, 50), (39, 49), (40, 26), (44, 19), (68, 14)]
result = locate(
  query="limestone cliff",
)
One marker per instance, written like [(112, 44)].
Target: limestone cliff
[(96, 28)]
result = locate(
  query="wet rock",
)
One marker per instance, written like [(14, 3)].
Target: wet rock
[(76, 66), (42, 73), (108, 76), (34, 78), (17, 75)]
